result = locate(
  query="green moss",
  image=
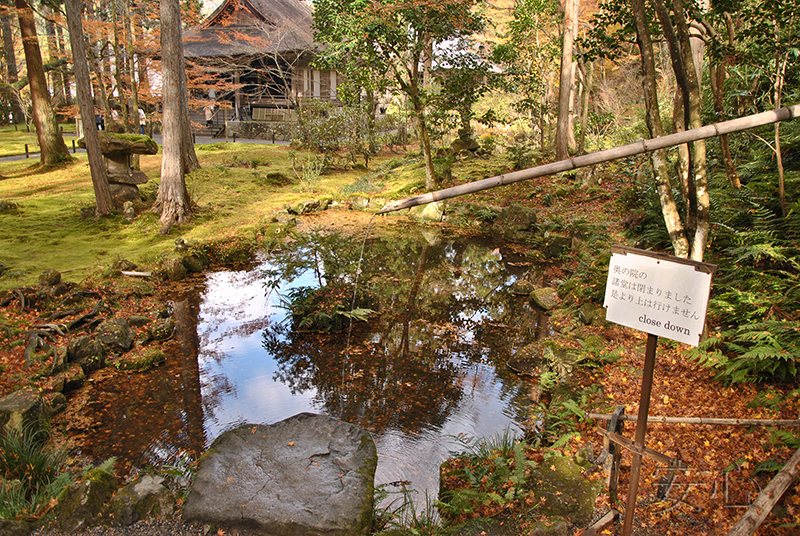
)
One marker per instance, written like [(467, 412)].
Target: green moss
[(53, 225), (139, 361)]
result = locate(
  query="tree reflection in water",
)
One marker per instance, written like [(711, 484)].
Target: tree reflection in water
[(407, 369), (429, 364)]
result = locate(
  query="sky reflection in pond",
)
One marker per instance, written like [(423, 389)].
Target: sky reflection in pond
[(429, 366)]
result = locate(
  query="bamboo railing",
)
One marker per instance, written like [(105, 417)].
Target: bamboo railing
[(709, 131)]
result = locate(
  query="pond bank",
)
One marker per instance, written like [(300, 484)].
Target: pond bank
[(146, 299)]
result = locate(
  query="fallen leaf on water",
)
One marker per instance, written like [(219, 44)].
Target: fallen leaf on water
[(291, 443)]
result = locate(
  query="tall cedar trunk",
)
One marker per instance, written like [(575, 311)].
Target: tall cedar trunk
[(67, 79), (52, 145), (141, 63), (86, 105), (56, 76), (669, 209), (565, 85), (95, 57), (17, 110), (134, 111), (172, 200), (119, 69), (189, 160), (699, 180), (101, 92)]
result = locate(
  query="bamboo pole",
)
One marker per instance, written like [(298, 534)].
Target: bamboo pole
[(702, 420), (766, 500), (709, 131)]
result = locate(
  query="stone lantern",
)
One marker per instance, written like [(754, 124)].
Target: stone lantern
[(120, 156)]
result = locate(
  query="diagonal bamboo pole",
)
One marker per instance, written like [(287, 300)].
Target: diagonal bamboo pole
[(709, 131)]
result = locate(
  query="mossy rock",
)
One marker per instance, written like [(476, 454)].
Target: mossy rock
[(562, 490), (528, 361), (546, 297), (193, 264), (143, 499), (119, 143), (115, 334), (174, 269), (81, 504), (162, 329), (86, 352), (141, 360)]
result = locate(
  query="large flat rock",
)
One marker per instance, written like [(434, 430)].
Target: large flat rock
[(308, 475)]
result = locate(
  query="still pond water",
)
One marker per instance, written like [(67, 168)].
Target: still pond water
[(428, 367)]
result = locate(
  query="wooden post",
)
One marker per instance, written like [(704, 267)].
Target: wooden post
[(641, 431), (27, 155), (615, 425), (763, 504)]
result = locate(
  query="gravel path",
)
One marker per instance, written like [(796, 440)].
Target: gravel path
[(160, 527)]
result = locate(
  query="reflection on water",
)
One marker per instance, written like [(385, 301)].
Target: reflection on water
[(428, 367)]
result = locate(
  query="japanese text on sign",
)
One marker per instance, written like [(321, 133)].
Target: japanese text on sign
[(658, 294)]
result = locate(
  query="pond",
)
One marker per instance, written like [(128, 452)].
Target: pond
[(427, 367)]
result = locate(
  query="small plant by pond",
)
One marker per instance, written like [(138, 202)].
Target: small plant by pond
[(31, 473), (487, 476)]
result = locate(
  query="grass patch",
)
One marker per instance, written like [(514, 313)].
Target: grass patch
[(48, 227), (15, 139)]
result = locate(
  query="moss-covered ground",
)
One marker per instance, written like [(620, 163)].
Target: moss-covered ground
[(48, 222)]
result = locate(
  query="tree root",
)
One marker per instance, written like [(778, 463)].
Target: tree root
[(84, 318)]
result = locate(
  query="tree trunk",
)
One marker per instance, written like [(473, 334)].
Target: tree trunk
[(189, 160), (565, 85), (51, 142), (141, 63), (86, 104), (683, 165), (431, 181), (702, 200), (717, 76), (681, 103), (134, 111), (780, 71), (101, 92), (67, 79), (56, 76), (17, 110), (669, 209), (588, 74), (119, 68), (172, 200)]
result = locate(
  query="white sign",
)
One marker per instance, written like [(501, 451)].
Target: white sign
[(659, 294)]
